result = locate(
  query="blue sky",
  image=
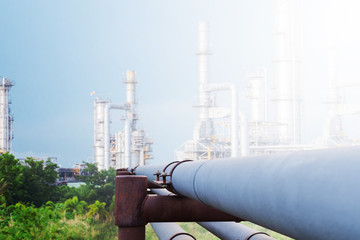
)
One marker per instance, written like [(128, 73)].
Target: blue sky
[(58, 52)]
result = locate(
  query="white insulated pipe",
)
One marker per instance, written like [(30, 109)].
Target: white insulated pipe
[(211, 87)]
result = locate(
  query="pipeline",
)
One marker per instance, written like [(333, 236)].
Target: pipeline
[(232, 230), (304, 195), (170, 231), (225, 230), (134, 208)]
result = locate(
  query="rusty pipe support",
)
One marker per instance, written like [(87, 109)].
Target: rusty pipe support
[(225, 230), (130, 193)]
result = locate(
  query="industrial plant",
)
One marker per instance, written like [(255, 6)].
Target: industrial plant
[(222, 132), (227, 131), (127, 148), (246, 161)]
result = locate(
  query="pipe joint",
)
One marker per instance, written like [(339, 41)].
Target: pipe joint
[(254, 234), (169, 186), (174, 237)]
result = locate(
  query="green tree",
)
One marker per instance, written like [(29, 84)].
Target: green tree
[(74, 206), (100, 185), (98, 211), (40, 181), (11, 178)]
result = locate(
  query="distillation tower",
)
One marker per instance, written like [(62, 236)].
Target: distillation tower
[(6, 119), (333, 132), (286, 66), (127, 148), (262, 132), (207, 142)]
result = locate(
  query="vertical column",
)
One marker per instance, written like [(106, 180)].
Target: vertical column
[(286, 71), (204, 127), (130, 120), (99, 150), (6, 118)]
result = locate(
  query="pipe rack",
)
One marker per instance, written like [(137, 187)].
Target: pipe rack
[(304, 195)]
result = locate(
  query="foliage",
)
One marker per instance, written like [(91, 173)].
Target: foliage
[(30, 182), (75, 207), (98, 211), (95, 178), (40, 181), (11, 178), (49, 221), (99, 185), (33, 207)]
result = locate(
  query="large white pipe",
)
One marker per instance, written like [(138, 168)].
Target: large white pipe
[(234, 113)]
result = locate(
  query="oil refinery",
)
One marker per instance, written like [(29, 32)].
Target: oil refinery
[(273, 124), (226, 131), (222, 98)]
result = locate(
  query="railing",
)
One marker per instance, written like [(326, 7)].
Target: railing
[(304, 195)]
